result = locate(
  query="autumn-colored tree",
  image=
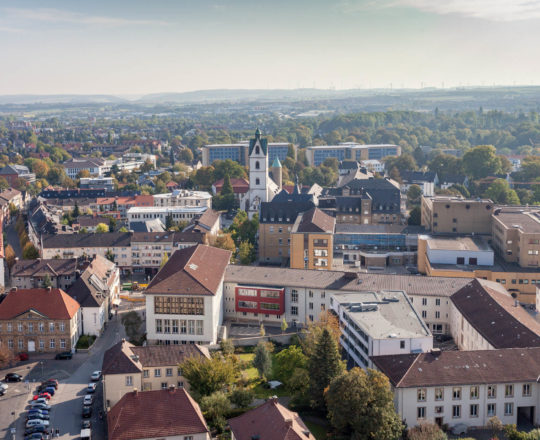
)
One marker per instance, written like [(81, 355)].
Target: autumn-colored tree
[(327, 321), (10, 256)]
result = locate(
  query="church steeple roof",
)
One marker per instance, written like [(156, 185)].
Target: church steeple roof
[(276, 163), (261, 141)]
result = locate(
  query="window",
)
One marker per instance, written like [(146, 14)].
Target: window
[(257, 181), (421, 395), (456, 411), (30, 327), (294, 310), (188, 437), (424, 301), (180, 384), (473, 411), (146, 373), (41, 344), (129, 381), (438, 302), (10, 344), (157, 372), (508, 409), (421, 412), (168, 372), (456, 393), (164, 385), (175, 326), (492, 391), (402, 344), (474, 392), (62, 343), (473, 261), (509, 391), (491, 410), (52, 343), (257, 165), (437, 315), (178, 305), (200, 327), (21, 344), (41, 327), (439, 409), (294, 296), (424, 314), (9, 327), (159, 326), (526, 390), (460, 260), (20, 327), (439, 393), (167, 325), (62, 326), (310, 306)]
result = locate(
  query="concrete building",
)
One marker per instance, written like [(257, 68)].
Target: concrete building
[(469, 251), (465, 387), (162, 414), (239, 152), (183, 197), (427, 181), (312, 241), (152, 367), (184, 301), (39, 320), (316, 155), (95, 166), (380, 323), (12, 173), (456, 215), (177, 214), (105, 183)]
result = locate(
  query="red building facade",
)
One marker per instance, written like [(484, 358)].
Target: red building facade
[(264, 300)]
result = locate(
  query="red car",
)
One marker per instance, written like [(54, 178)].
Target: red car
[(44, 395), (23, 356)]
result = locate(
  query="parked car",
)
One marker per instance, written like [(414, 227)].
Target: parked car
[(88, 399), (43, 395), (23, 356), (55, 381), (38, 411), (91, 388), (39, 428), (459, 429), (40, 400), (37, 436), (86, 424), (13, 377), (4, 386), (46, 389), (37, 416), (64, 355), (87, 412), (50, 383), (96, 375), (40, 406), (37, 422), (2, 392)]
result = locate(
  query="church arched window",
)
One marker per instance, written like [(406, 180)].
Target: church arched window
[(257, 180), (257, 165), (257, 150)]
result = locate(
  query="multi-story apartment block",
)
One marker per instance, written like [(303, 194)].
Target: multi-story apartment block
[(152, 367), (184, 301), (39, 320), (12, 173), (316, 155), (312, 243), (183, 197), (95, 166), (122, 204), (30, 274), (105, 183), (465, 387), (456, 215), (239, 152)]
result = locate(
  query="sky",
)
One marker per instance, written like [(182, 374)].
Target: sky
[(135, 47)]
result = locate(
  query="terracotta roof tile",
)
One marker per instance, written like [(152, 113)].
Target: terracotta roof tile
[(151, 414), (119, 359), (314, 220), (270, 421), (195, 270), (41, 267), (53, 303), (163, 355)]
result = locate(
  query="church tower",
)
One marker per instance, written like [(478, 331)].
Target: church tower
[(258, 174)]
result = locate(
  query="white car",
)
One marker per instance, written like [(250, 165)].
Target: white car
[(4, 386), (88, 399), (41, 400), (36, 422), (40, 406), (96, 375)]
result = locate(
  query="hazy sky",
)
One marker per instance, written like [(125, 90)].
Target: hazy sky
[(148, 46)]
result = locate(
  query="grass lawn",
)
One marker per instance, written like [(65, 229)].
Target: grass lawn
[(256, 384), (319, 431), (250, 372)]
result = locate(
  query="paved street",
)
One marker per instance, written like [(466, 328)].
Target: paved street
[(13, 239), (73, 375)]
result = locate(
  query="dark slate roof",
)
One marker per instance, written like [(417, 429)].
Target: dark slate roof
[(119, 359), (154, 225), (41, 267), (196, 270), (15, 169), (449, 368), (492, 313), (287, 212), (418, 176), (107, 239), (314, 221), (454, 178), (263, 142), (349, 165)]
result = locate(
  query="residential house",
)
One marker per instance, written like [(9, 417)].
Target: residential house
[(426, 180), (162, 414), (209, 223), (39, 320), (12, 173), (30, 274), (183, 197), (177, 214), (151, 367)]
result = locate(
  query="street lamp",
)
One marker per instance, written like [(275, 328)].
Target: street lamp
[(41, 362)]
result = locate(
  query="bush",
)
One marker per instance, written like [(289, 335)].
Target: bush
[(241, 397), (85, 341)]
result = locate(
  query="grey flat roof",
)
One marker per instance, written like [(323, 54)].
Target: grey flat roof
[(527, 221), (458, 244)]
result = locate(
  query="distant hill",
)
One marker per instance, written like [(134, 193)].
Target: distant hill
[(60, 99)]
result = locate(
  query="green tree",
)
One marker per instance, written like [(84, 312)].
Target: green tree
[(214, 407), (46, 281), (287, 361), (500, 192), (224, 241), (169, 222), (229, 168), (415, 216), (132, 323), (30, 252), (246, 254), (164, 260), (227, 347), (414, 195), (405, 162), (298, 386), (482, 161), (206, 376), (109, 255), (262, 361), (242, 397), (185, 155), (445, 165), (102, 228), (76, 211), (360, 405), (284, 325), (324, 365), (327, 321), (3, 184)]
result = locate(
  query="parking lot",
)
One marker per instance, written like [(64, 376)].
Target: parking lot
[(67, 403)]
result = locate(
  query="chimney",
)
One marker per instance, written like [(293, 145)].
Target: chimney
[(172, 389), (288, 422), (134, 391), (14, 289), (516, 303)]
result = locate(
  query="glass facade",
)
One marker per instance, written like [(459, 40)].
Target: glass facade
[(371, 240)]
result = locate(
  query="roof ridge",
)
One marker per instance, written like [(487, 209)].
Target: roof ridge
[(408, 369)]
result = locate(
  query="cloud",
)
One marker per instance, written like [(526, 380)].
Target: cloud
[(10, 30), (60, 16), (491, 10)]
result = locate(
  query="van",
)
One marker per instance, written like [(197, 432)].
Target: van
[(86, 434)]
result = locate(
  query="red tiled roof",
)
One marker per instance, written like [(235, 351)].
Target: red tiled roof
[(270, 421), (54, 303), (151, 414), (195, 270), (315, 220), (240, 186)]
